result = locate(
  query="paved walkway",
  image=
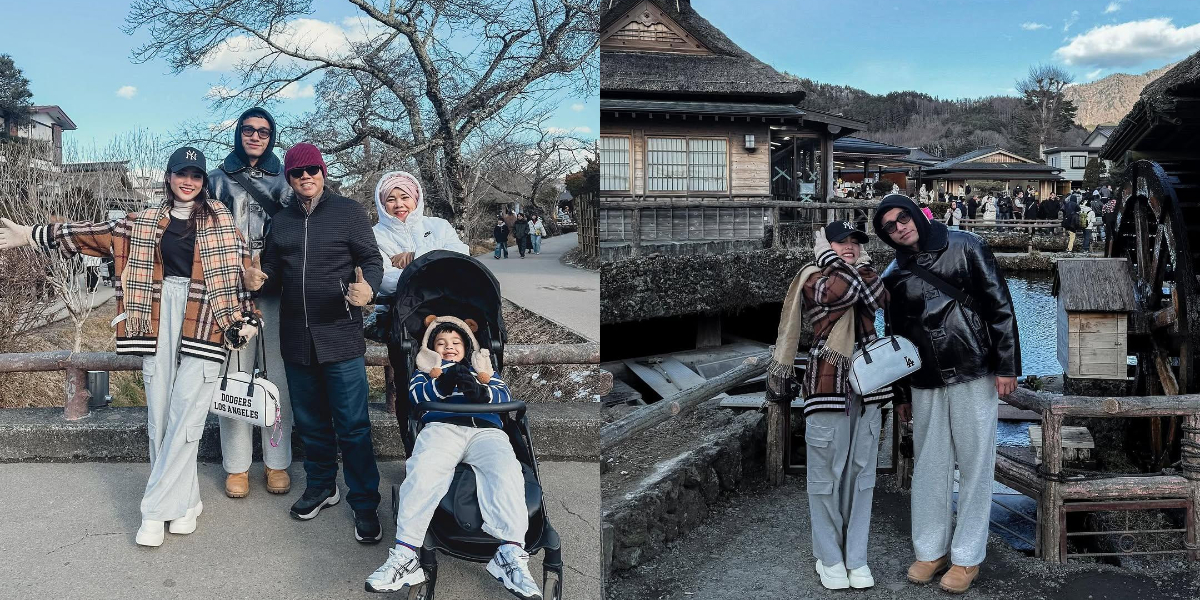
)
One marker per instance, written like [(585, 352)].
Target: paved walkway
[(540, 283), (68, 533)]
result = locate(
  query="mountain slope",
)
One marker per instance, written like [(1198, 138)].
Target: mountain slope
[(1105, 101)]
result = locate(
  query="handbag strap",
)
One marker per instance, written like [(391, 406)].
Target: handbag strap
[(267, 205), (940, 284)]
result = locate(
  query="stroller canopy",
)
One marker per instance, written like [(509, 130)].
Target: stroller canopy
[(442, 283)]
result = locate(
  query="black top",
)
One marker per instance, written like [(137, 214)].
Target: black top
[(178, 248), (312, 257)]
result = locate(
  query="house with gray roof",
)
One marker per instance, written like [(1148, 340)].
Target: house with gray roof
[(992, 164)]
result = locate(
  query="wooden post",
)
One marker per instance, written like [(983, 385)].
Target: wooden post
[(389, 386), (1192, 435), (636, 248), (77, 394), (777, 432), (708, 331), (1050, 504), (775, 242)]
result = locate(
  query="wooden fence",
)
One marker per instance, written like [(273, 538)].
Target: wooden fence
[(587, 215), (1027, 227)]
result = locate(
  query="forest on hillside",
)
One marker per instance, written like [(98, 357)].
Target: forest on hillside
[(941, 127)]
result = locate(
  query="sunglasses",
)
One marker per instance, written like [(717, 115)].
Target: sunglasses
[(299, 172), (903, 218), (262, 132)]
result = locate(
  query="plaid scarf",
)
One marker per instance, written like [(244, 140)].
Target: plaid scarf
[(220, 257)]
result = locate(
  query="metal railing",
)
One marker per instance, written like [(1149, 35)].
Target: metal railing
[(77, 364)]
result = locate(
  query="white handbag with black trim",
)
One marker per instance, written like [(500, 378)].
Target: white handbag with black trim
[(882, 363), (248, 397)]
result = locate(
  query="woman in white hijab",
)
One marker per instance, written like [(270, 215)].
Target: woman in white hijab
[(404, 232)]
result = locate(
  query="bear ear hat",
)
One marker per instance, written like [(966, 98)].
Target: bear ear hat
[(430, 319), (473, 325)]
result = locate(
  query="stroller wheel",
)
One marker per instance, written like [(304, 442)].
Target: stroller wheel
[(418, 593), (551, 584)]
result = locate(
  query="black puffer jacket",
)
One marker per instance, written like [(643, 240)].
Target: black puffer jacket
[(957, 344)]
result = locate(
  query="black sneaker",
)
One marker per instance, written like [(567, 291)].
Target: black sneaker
[(366, 526), (313, 500)]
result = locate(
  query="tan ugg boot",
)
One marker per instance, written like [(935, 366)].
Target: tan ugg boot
[(958, 579), (237, 485), (923, 571), (278, 481)]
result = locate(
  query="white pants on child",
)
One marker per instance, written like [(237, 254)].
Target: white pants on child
[(501, 486)]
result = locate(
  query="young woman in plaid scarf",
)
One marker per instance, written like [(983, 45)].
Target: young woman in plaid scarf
[(180, 304)]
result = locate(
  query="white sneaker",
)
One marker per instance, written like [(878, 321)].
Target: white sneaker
[(187, 523), (151, 533), (833, 578), (861, 578), (510, 566), (400, 571)]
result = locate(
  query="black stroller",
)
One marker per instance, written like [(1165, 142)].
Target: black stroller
[(447, 283)]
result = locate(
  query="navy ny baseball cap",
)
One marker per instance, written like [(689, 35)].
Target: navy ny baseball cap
[(840, 230)]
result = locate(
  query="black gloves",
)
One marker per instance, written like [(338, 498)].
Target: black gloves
[(470, 387), (781, 388), (449, 376)]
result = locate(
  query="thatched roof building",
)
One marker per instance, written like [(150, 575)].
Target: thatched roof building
[(1165, 120), (704, 60)]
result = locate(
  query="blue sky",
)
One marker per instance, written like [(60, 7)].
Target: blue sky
[(956, 48), (76, 56)]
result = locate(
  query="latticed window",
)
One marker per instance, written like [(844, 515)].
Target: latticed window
[(614, 163), (706, 165), (681, 165), (655, 32)]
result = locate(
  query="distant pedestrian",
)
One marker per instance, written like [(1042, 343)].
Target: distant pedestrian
[(521, 232), (972, 207), (537, 231), (500, 234)]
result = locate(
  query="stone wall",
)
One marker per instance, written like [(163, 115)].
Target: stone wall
[(679, 492)]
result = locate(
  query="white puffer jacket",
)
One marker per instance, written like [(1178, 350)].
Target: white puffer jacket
[(418, 234)]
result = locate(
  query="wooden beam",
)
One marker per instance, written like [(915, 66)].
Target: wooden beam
[(646, 417), (1049, 525), (1090, 406)]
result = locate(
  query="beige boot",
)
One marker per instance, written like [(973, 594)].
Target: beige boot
[(923, 571), (237, 485), (278, 481), (958, 579)]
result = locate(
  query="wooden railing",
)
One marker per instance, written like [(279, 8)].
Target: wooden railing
[(77, 364), (1052, 494), (1020, 225)]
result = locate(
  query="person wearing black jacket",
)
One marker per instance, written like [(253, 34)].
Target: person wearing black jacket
[(970, 355), (500, 234), (251, 184), (322, 254), (972, 207), (521, 232), (1070, 222)]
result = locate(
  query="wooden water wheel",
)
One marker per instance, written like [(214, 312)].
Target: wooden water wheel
[(1153, 231)]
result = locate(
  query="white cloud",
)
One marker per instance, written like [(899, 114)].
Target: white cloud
[(1093, 74), (577, 107), (1112, 7), (1129, 44), (308, 36), (1031, 26), (583, 130), (225, 125), (127, 92), (1071, 20), (295, 90)]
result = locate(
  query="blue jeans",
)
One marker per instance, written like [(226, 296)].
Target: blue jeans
[(537, 243), (501, 246), (329, 404)]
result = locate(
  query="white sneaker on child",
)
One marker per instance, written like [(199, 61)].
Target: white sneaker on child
[(151, 533), (833, 577), (510, 566), (401, 570)]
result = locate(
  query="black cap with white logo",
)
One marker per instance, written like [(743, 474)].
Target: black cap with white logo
[(187, 157), (840, 230)]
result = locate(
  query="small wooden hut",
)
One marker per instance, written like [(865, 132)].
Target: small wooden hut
[(1095, 298)]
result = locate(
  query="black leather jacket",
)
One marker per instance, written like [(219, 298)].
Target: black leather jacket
[(957, 344)]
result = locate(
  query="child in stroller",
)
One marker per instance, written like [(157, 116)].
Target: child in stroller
[(444, 374)]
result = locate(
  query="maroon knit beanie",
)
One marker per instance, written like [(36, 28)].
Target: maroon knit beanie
[(303, 155)]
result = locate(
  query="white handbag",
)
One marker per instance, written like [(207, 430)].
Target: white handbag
[(882, 363), (248, 397)]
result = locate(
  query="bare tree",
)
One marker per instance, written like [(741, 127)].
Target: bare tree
[(1047, 112), (99, 187), (413, 81), (547, 154)]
